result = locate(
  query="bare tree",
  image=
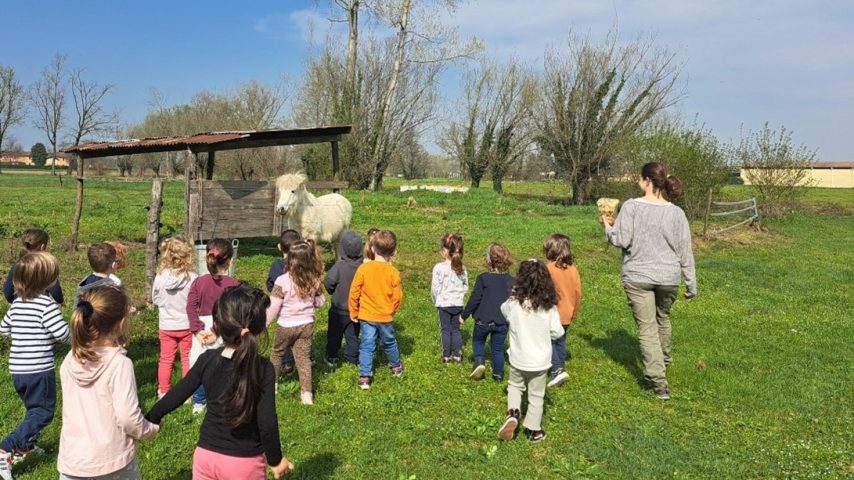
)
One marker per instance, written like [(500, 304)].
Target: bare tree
[(48, 99), (12, 104), (495, 131), (595, 95), (91, 118)]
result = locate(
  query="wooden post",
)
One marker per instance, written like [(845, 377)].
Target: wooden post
[(335, 165), (708, 212), (209, 165), (152, 236), (78, 207), (189, 175)]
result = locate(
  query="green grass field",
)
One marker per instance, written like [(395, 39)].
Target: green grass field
[(761, 381)]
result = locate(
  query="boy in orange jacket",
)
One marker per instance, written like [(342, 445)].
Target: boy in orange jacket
[(375, 297)]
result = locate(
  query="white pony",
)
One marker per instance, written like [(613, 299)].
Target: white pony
[(321, 219)]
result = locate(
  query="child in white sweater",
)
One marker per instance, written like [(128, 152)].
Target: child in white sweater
[(534, 322)]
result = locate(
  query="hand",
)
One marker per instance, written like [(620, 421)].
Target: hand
[(460, 318), (283, 468), (354, 320), (605, 220)]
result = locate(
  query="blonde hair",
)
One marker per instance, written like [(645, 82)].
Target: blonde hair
[(121, 253), (177, 253), (101, 313), (384, 243), (35, 273)]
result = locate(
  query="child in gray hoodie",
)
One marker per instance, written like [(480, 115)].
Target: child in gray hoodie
[(337, 283), (169, 293)]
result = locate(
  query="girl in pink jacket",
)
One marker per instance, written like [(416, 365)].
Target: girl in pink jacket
[(101, 419)]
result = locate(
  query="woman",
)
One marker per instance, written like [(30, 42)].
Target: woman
[(656, 243)]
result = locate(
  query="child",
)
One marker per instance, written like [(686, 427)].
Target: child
[(102, 258), (491, 289), (534, 322), (375, 297), (338, 283), (169, 293), (450, 283), (35, 325), (101, 419), (288, 238), (34, 240), (204, 292), (558, 250), (121, 260), (369, 253), (240, 432), (295, 296)]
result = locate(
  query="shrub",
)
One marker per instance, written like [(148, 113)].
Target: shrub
[(775, 167)]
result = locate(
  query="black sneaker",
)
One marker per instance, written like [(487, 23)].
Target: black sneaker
[(364, 382), (330, 362), (535, 435), (661, 393), (497, 378), (508, 428)]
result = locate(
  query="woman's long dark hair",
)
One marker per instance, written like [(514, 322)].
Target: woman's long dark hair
[(661, 181), (239, 316), (534, 287)]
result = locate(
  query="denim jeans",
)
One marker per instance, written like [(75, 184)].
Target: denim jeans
[(559, 352), (449, 327), (38, 392), (370, 331), (478, 340)]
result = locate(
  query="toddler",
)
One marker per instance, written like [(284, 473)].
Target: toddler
[(102, 259), (34, 240), (450, 283), (337, 283), (561, 266)]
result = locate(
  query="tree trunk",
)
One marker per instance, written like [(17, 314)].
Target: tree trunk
[(496, 183), (352, 49), (579, 191), (78, 207), (475, 182), (152, 237)]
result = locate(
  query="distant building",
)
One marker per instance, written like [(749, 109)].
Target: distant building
[(15, 158), (823, 174), (62, 160)]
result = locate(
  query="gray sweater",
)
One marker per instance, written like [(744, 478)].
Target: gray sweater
[(656, 243)]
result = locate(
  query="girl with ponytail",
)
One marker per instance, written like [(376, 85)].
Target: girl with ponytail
[(657, 254), (448, 287), (101, 418), (204, 292), (240, 432)]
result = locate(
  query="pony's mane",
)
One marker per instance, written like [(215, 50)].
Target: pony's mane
[(290, 181)]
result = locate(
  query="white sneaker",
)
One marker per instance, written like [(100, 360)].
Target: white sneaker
[(477, 373), (307, 398), (558, 379), (6, 466), (198, 408)]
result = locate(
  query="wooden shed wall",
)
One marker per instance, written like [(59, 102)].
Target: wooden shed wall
[(232, 209)]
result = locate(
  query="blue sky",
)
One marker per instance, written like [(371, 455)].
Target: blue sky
[(787, 62)]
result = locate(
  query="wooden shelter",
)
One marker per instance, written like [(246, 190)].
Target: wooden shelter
[(231, 209)]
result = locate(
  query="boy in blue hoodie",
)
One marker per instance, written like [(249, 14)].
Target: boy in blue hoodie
[(337, 283)]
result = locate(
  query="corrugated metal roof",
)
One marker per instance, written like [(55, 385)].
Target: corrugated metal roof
[(833, 165), (214, 140)]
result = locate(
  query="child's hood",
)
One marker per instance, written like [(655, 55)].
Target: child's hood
[(174, 281), (88, 372), (351, 245)]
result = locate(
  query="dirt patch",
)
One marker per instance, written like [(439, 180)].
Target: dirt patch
[(757, 234)]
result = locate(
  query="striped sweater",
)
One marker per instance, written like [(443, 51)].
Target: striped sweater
[(34, 326)]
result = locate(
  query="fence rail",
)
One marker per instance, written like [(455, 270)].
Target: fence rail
[(751, 207)]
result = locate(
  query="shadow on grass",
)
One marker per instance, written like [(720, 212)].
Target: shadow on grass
[(623, 348), (182, 475), (317, 467)]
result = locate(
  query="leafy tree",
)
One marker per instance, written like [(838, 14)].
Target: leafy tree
[(597, 95), (776, 167), (38, 154)]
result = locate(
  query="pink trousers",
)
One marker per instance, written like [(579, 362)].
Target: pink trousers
[(208, 465), (170, 342)]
